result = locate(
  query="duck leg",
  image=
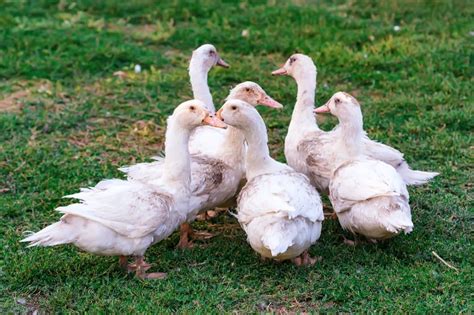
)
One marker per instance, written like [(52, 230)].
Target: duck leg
[(206, 215), (140, 267), (201, 235), (185, 232), (354, 242), (372, 240), (209, 214), (330, 215), (305, 259), (123, 262)]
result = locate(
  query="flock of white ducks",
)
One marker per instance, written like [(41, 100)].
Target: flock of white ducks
[(209, 157)]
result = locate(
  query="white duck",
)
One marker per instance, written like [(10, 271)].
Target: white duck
[(215, 178), (206, 140), (307, 147), (278, 208), (369, 197), (123, 218)]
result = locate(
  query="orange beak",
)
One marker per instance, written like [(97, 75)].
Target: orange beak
[(281, 71), (214, 122), (222, 63), (269, 102)]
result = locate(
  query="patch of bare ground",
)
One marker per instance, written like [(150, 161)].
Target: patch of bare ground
[(142, 138), (30, 305), (30, 91), (162, 30), (13, 102)]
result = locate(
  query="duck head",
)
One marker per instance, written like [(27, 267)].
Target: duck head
[(191, 114), (342, 105), (298, 66), (207, 56), (239, 114), (253, 94)]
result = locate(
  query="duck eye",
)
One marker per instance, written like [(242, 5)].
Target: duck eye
[(233, 107), (247, 90), (337, 101), (192, 108), (212, 52), (292, 59)]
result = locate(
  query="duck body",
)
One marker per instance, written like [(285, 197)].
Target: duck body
[(207, 141), (217, 158), (311, 150), (369, 196), (281, 214), (124, 217), (116, 217), (371, 199), (395, 158), (307, 152), (278, 208), (213, 182), (314, 152)]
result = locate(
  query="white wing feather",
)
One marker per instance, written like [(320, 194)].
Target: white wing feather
[(361, 180), (129, 208)]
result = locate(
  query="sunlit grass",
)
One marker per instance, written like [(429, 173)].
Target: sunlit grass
[(76, 123)]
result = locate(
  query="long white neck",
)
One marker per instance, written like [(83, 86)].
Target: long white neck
[(233, 152), (177, 168), (303, 117), (258, 160), (198, 76), (351, 133)]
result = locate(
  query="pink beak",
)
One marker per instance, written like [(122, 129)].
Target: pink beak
[(281, 71), (269, 102), (222, 63), (214, 122), (322, 109)]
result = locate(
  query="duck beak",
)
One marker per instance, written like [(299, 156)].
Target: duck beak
[(222, 63), (214, 122), (269, 102), (281, 71), (322, 109), (219, 115)]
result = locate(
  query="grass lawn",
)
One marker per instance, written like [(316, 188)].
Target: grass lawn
[(66, 122)]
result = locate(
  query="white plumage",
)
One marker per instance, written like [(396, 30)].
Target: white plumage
[(369, 196), (123, 218), (311, 150), (278, 208), (281, 214), (217, 155), (119, 219)]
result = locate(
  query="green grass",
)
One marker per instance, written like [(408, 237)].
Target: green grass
[(78, 123)]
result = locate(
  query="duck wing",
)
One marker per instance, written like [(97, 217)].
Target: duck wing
[(129, 208)]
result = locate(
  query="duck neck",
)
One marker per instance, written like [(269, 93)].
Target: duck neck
[(198, 77), (258, 160), (352, 133), (233, 152), (303, 117), (177, 168)]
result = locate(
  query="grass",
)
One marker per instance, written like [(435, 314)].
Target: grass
[(76, 123)]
